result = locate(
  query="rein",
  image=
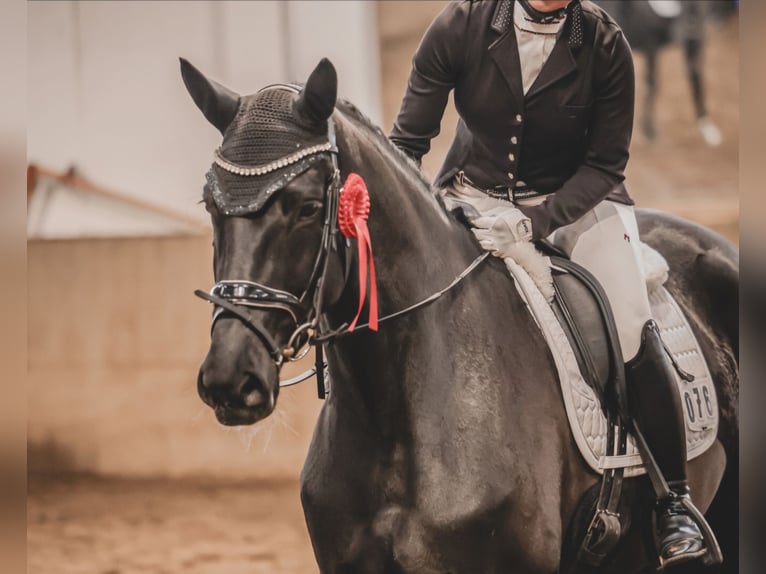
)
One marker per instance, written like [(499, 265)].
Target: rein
[(344, 330), (233, 297), (321, 338)]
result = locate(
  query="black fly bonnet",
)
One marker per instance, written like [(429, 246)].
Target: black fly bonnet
[(265, 147)]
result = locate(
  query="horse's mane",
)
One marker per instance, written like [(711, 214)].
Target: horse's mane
[(415, 177), (355, 114), (524, 254), (410, 168)]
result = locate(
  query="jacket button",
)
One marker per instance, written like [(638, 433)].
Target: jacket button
[(510, 176), (511, 157), (518, 118), (514, 140)]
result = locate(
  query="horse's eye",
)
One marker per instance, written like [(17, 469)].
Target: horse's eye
[(310, 209)]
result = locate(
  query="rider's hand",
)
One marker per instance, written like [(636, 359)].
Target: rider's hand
[(498, 233)]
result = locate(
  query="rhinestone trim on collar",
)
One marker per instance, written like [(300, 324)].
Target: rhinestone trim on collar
[(269, 167)]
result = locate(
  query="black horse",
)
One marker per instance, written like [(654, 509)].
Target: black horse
[(443, 445), (650, 26)]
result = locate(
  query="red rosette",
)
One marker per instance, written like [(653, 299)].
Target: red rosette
[(353, 212), (354, 205)]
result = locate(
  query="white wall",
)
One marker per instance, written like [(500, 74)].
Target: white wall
[(114, 342), (347, 33), (106, 95), (61, 212)]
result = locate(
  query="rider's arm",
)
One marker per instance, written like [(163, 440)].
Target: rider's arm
[(435, 68), (609, 134)]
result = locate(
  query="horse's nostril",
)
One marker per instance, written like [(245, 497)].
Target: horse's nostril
[(253, 391), (255, 399), (214, 393)]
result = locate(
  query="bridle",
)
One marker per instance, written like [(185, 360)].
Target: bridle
[(231, 296), (234, 296)]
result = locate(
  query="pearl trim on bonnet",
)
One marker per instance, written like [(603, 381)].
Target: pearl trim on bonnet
[(236, 169)]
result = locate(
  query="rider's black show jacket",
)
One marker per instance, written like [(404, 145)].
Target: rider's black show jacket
[(569, 134)]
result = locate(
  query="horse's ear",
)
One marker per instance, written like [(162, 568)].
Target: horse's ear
[(317, 99), (217, 102)]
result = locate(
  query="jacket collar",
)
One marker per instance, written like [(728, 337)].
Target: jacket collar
[(504, 51), (502, 19)]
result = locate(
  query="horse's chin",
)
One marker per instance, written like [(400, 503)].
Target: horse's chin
[(244, 416)]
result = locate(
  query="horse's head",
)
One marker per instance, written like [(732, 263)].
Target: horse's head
[(272, 196)]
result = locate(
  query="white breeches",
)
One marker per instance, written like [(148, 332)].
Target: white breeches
[(605, 241)]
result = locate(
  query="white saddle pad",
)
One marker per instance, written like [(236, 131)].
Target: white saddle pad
[(586, 419)]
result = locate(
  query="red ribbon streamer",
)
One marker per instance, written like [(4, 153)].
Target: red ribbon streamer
[(353, 211)]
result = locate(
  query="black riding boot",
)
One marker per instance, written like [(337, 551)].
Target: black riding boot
[(656, 407)]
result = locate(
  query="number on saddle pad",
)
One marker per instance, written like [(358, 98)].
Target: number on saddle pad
[(699, 405)]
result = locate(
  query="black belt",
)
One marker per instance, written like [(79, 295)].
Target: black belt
[(502, 192), (505, 193)]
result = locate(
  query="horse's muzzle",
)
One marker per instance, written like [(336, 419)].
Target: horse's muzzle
[(236, 404)]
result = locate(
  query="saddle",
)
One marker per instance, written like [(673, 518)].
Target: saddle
[(580, 329), (582, 309), (581, 333)]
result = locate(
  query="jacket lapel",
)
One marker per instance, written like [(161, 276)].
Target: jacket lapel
[(505, 52), (560, 64)]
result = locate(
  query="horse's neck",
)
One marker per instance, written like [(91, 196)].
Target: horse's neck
[(418, 250), (415, 242)]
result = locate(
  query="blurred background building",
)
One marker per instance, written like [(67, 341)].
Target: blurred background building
[(118, 242)]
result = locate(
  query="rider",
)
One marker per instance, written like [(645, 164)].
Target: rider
[(545, 94)]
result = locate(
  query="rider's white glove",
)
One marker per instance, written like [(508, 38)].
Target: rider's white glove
[(498, 233)]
